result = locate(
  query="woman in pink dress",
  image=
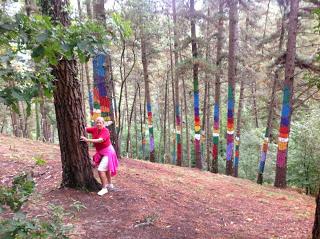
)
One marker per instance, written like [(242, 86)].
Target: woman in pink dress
[(105, 156)]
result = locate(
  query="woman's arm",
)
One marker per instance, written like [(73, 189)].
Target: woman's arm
[(100, 140)]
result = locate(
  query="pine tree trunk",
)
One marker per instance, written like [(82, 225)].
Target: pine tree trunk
[(269, 128), (37, 120), (166, 155), (147, 94), (233, 21), (176, 86), (216, 110), (316, 225), (237, 139), (197, 124), (284, 130), (186, 111), (206, 104), (45, 126), (77, 172)]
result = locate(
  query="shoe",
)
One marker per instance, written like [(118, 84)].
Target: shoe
[(103, 192), (110, 186)]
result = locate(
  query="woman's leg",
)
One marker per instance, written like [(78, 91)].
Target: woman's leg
[(108, 175), (103, 178)]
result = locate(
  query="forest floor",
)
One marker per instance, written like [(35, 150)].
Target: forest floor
[(160, 201)]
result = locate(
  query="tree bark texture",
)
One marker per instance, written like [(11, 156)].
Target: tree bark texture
[(216, 109), (233, 21), (196, 97), (284, 130), (77, 171), (147, 94)]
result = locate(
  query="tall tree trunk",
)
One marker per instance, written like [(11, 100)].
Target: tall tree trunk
[(129, 142), (254, 102), (142, 116), (233, 21), (136, 128), (176, 86), (103, 81), (37, 120), (82, 69), (147, 93), (45, 126), (237, 138), (206, 104), (316, 224), (77, 172), (284, 130), (86, 67), (186, 111), (216, 110), (166, 155), (269, 128), (174, 142), (197, 124)]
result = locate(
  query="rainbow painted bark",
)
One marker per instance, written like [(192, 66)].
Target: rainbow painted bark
[(178, 136), (101, 103), (236, 155), (284, 129), (263, 156), (230, 131), (151, 137), (197, 125), (215, 135)]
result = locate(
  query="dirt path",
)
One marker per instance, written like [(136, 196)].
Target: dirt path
[(161, 201)]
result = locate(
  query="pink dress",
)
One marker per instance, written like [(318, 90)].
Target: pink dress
[(104, 149)]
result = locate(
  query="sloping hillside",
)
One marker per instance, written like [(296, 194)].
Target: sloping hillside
[(161, 201)]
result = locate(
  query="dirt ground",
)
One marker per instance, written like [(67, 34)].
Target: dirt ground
[(160, 201)]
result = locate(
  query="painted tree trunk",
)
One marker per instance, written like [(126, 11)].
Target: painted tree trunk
[(284, 130), (206, 105), (196, 104), (269, 128), (165, 128), (237, 138), (216, 108), (233, 21), (147, 95), (186, 111), (176, 85)]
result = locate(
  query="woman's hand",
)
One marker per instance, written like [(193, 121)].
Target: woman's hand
[(83, 139)]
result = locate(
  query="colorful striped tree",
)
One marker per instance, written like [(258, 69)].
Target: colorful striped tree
[(147, 93), (233, 19), (216, 107), (176, 87), (268, 131), (197, 125), (284, 130)]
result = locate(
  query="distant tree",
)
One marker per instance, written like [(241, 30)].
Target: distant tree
[(216, 110), (196, 100)]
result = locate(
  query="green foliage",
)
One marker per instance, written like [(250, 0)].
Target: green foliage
[(77, 206), (15, 196), (21, 227), (39, 160), (303, 166), (123, 26)]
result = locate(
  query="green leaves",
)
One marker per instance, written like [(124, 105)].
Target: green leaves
[(124, 26)]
